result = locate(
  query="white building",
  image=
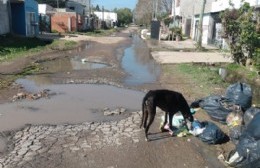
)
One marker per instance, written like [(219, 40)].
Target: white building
[(45, 9), (110, 18), (221, 5), (212, 26), (106, 16), (189, 12)]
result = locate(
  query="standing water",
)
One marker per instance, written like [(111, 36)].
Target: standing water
[(138, 64), (74, 103)]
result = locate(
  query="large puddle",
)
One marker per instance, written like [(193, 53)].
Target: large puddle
[(138, 63), (76, 103), (73, 103), (75, 63)]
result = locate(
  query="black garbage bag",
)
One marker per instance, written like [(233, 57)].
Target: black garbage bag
[(217, 107), (248, 147), (212, 134), (240, 94), (249, 114), (253, 128), (235, 133)]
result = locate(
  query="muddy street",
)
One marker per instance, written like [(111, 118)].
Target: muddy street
[(91, 115)]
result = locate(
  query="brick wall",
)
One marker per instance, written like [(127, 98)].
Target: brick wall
[(65, 22)]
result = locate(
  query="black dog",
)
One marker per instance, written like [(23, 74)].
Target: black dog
[(169, 101)]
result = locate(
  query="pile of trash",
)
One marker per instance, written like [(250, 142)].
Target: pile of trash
[(243, 121), (206, 131)]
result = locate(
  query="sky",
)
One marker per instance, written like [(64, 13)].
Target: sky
[(112, 4)]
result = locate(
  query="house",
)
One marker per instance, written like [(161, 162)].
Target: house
[(207, 25), (76, 7), (190, 10), (4, 17), (86, 4), (66, 20), (110, 18), (219, 6), (45, 9), (45, 13), (24, 17), (82, 7)]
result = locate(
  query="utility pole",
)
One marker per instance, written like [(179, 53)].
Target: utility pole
[(173, 10), (156, 9), (199, 42), (57, 3), (153, 10), (89, 7), (102, 13)]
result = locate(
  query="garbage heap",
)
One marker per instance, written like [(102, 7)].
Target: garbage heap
[(235, 109)]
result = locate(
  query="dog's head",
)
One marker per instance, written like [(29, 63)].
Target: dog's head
[(188, 118), (187, 114)]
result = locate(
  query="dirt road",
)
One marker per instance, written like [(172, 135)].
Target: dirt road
[(102, 144)]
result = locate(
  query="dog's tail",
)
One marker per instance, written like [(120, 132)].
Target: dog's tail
[(143, 108)]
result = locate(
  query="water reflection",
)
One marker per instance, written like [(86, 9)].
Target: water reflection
[(67, 64), (80, 64), (138, 64), (73, 103)]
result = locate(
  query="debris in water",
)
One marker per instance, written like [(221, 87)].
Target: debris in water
[(31, 96), (83, 60)]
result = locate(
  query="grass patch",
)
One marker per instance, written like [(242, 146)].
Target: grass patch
[(61, 45), (203, 75), (198, 80), (13, 47), (208, 76), (99, 32), (241, 71), (7, 80)]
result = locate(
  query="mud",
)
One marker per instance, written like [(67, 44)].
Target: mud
[(90, 138)]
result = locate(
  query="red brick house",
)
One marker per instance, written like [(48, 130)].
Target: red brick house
[(62, 21)]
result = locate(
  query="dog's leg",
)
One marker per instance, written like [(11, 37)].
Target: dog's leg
[(152, 111), (165, 122), (151, 118), (145, 117), (170, 122), (142, 118)]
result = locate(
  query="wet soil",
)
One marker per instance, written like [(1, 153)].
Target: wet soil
[(165, 152)]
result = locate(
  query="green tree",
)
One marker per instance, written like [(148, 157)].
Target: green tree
[(242, 33), (143, 12), (249, 34), (97, 8), (124, 16)]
